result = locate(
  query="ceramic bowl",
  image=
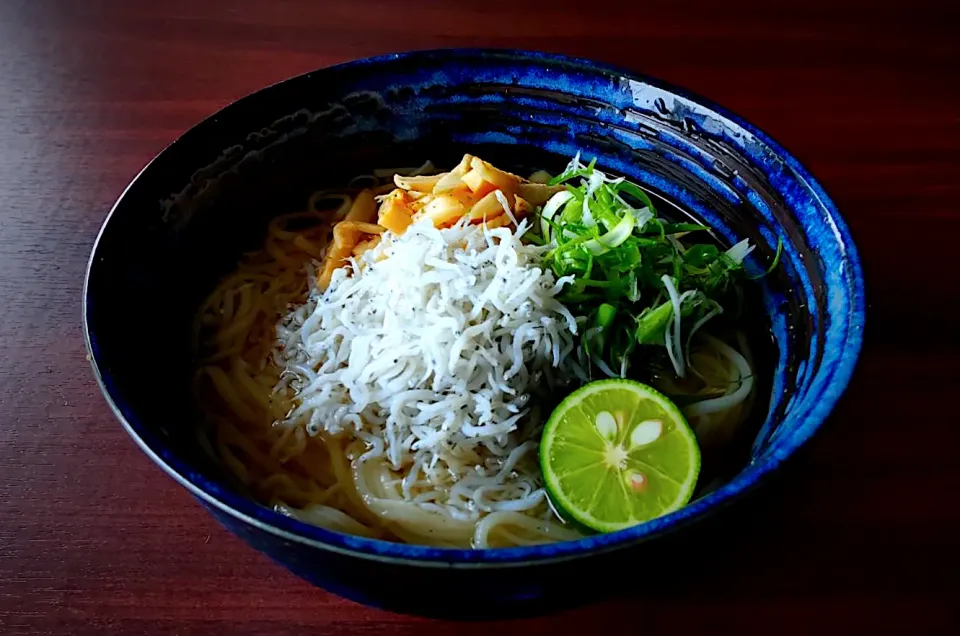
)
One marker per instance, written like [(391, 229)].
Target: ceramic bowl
[(183, 221)]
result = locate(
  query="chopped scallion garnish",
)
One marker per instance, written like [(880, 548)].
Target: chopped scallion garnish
[(633, 272)]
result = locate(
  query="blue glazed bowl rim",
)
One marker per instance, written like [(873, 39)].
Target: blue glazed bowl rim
[(290, 529)]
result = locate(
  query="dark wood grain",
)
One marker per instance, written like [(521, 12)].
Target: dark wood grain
[(861, 536)]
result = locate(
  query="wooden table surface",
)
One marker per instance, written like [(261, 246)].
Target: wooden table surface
[(860, 537)]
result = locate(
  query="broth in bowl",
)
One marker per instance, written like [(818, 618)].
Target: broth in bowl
[(387, 363)]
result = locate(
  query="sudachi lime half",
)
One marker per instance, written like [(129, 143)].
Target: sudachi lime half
[(616, 453)]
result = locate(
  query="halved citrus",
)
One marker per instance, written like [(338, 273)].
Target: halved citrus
[(616, 453)]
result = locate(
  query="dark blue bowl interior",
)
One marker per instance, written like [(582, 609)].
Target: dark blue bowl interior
[(186, 218)]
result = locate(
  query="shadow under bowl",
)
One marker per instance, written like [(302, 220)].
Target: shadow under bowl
[(184, 220)]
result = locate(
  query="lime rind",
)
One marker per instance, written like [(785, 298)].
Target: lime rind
[(569, 434)]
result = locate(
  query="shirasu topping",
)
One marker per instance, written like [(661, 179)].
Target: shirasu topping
[(428, 348)]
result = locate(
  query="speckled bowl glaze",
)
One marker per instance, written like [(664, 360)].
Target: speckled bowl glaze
[(186, 217)]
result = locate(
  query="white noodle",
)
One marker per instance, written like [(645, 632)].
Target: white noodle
[(729, 400)]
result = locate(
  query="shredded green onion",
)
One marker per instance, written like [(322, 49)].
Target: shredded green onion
[(605, 233)]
